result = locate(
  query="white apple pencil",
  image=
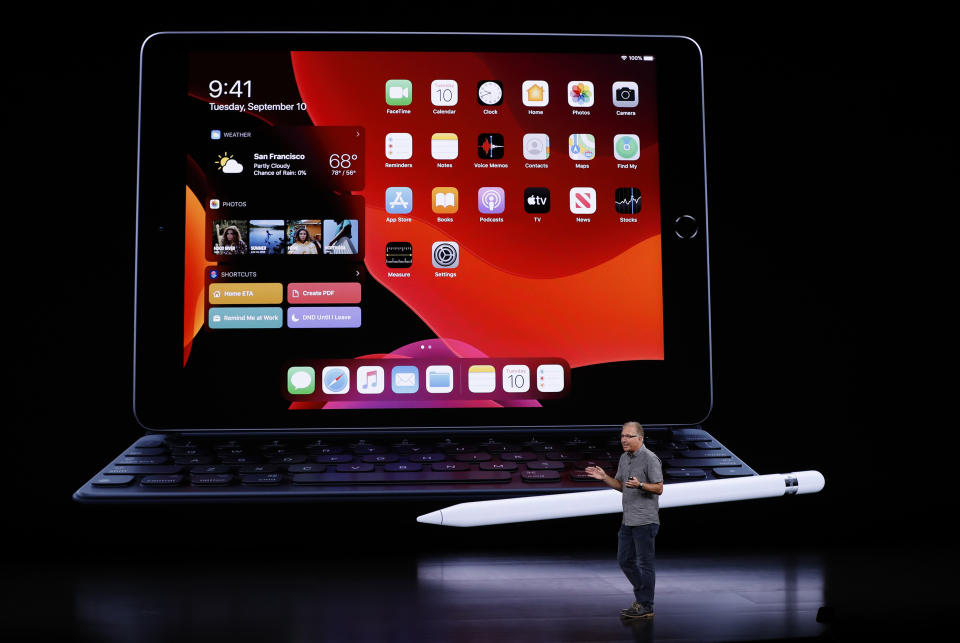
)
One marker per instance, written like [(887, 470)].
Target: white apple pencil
[(606, 501)]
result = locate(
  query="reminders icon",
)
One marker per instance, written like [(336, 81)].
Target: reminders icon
[(482, 379)]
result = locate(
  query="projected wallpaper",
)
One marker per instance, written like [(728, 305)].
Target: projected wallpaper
[(433, 229)]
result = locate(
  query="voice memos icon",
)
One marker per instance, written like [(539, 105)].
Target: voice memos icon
[(627, 200)]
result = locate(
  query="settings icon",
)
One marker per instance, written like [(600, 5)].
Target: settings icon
[(446, 254)]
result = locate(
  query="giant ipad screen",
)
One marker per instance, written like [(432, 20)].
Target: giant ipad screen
[(403, 230)]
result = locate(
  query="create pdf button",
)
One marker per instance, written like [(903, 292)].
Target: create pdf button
[(345, 292)]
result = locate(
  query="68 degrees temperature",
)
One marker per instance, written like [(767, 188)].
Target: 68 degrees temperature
[(341, 164)]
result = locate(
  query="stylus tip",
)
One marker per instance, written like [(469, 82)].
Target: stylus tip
[(432, 518)]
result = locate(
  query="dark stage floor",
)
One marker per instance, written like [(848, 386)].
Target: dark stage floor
[(727, 595)]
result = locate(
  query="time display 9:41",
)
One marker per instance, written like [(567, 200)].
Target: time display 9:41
[(238, 88)]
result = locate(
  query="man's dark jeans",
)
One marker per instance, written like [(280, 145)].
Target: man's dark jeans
[(635, 554)]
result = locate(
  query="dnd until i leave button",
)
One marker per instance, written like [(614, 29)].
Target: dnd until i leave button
[(237, 317), (323, 317)]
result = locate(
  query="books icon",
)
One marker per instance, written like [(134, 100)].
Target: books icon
[(445, 200)]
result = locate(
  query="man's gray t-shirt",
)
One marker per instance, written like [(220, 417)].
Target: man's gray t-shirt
[(640, 507)]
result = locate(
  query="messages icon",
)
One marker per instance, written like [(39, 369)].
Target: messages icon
[(482, 379), (301, 380)]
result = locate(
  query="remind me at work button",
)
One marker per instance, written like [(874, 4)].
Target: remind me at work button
[(323, 317), (237, 317)]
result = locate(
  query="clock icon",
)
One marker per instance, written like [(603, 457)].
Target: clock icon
[(490, 92)]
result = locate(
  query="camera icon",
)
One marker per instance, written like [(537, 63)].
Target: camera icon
[(625, 94)]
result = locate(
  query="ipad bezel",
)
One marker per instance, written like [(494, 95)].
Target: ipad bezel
[(676, 391)]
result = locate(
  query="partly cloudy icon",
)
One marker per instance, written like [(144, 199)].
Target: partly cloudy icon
[(227, 165), (232, 167)]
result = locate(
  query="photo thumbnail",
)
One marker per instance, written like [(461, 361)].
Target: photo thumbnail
[(267, 236), (342, 236), (304, 237), (229, 237)]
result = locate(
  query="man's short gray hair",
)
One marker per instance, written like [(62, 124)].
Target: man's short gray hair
[(635, 425)]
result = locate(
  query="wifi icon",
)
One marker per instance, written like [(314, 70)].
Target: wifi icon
[(628, 200)]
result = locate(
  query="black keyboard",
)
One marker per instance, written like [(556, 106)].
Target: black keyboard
[(184, 468)]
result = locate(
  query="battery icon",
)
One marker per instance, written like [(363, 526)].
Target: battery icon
[(648, 59)]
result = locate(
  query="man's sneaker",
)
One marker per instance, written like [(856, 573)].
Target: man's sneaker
[(636, 611), (635, 605)]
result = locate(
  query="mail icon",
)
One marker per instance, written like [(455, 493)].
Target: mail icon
[(405, 379)]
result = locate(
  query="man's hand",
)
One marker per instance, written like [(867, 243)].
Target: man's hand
[(596, 472), (633, 483)]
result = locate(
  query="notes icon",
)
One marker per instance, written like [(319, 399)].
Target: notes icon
[(370, 379), (444, 146), (482, 379)]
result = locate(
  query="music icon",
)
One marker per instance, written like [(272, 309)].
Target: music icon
[(370, 379)]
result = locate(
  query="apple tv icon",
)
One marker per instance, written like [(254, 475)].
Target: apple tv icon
[(536, 200)]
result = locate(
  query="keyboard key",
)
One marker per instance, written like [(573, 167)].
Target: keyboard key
[(403, 466), (403, 477), (540, 476), (682, 463), (233, 452), (545, 465), (151, 442), (473, 457), (242, 459), (705, 453), (307, 468), (216, 480), (498, 466), (190, 451), (210, 469), (161, 481), (380, 458), (324, 450), (145, 469), (288, 459), (454, 449), (427, 457), (334, 458), (271, 468), (410, 449), (358, 467), (365, 449), (142, 452), (710, 444), (194, 460), (685, 474), (112, 481), (730, 472), (690, 435), (153, 459), (566, 456), (262, 478), (523, 456), (450, 466)]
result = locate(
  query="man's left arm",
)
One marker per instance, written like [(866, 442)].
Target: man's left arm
[(654, 472)]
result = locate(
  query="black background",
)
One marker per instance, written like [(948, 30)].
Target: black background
[(829, 161)]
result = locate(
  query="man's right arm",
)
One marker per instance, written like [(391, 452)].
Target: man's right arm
[(599, 474)]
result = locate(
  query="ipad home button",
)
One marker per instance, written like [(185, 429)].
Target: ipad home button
[(686, 227)]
